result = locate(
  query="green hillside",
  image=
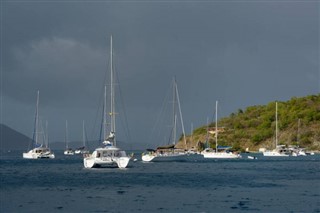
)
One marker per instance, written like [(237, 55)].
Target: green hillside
[(254, 127)]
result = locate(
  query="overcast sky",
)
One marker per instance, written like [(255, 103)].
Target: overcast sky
[(239, 53)]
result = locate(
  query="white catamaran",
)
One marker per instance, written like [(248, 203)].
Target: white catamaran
[(39, 149), (220, 151), (109, 154), (169, 151), (280, 150)]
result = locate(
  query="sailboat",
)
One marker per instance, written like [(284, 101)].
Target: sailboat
[(39, 149), (82, 150), (109, 154), (170, 150), (222, 152), (279, 150), (297, 150), (68, 150)]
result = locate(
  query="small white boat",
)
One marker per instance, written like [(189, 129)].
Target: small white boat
[(225, 154), (39, 150), (67, 151), (109, 154), (169, 152), (220, 152), (297, 150), (82, 150), (252, 157), (280, 150)]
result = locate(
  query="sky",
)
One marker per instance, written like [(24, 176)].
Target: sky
[(240, 53)]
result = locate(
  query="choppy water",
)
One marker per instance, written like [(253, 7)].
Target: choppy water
[(192, 184)]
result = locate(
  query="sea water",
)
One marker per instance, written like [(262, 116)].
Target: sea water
[(191, 184)]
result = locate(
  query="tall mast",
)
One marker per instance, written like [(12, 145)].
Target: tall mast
[(66, 136), (216, 126), (105, 114), (298, 135), (276, 124), (47, 135), (112, 110), (181, 118), (83, 134), (174, 116), (191, 138), (207, 136), (36, 122)]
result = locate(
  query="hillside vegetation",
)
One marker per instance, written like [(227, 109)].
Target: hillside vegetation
[(255, 126)]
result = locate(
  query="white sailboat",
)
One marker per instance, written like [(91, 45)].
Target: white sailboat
[(68, 150), (109, 154), (297, 150), (83, 149), (219, 151), (39, 149), (279, 150), (169, 151)]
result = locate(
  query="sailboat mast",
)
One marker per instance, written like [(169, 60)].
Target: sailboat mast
[(181, 118), (66, 136), (216, 135), (174, 123), (207, 136), (112, 110), (36, 126), (83, 134), (105, 114), (276, 124), (298, 135), (191, 138), (47, 135)]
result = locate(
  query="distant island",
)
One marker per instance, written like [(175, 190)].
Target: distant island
[(11, 139), (254, 127)]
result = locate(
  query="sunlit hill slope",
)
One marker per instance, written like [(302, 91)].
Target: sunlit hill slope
[(254, 127)]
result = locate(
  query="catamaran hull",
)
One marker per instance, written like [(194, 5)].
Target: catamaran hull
[(30, 155), (33, 155), (121, 162)]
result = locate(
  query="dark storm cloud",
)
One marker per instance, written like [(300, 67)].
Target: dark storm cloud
[(239, 53)]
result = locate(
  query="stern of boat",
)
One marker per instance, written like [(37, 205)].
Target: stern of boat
[(88, 162), (147, 157), (122, 162)]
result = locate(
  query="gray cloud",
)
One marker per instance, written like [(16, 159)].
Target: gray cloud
[(239, 53)]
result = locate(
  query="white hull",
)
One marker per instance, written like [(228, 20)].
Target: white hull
[(298, 153), (121, 162), (147, 157), (38, 153), (252, 157), (220, 155), (106, 157), (274, 153), (164, 156), (68, 152), (77, 152)]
